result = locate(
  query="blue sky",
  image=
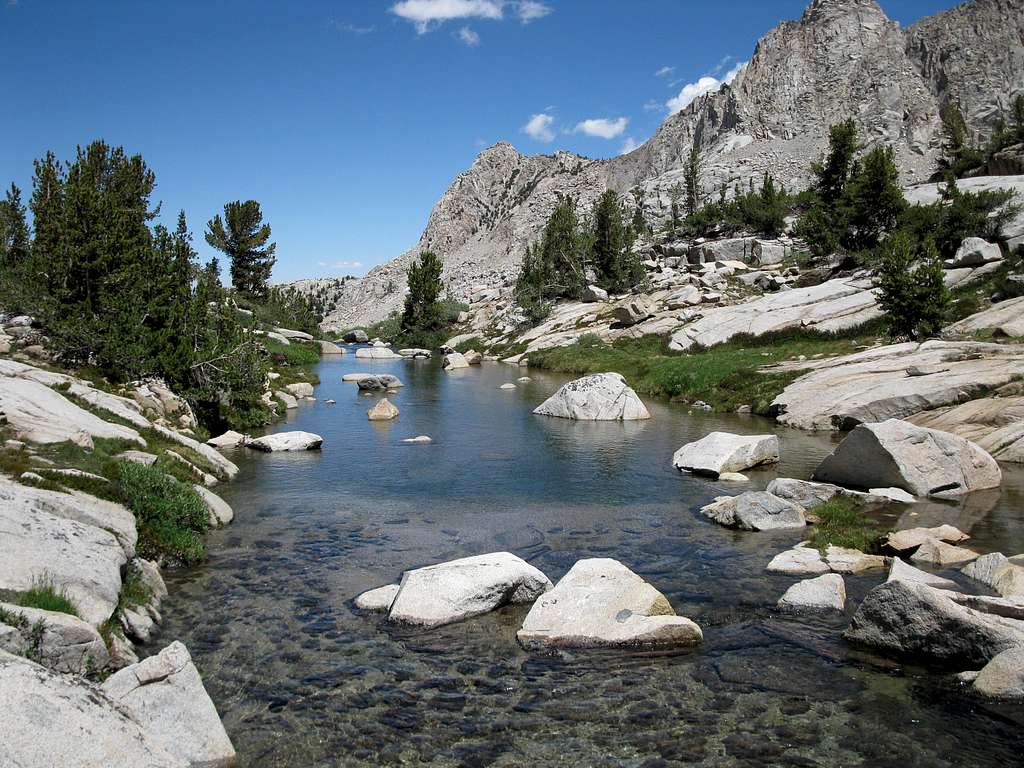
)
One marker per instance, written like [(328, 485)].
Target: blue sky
[(348, 119)]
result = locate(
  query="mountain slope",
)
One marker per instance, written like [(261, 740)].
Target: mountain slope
[(842, 58)]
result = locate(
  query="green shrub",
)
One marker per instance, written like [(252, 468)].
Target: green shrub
[(842, 523), (13, 618), (295, 353), (44, 596), (171, 516), (134, 590)]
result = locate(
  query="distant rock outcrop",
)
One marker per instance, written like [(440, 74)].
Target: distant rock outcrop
[(841, 59)]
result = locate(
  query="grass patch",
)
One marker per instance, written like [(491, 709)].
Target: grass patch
[(725, 376), (134, 590), (13, 619), (844, 524), (172, 518), (44, 596), (294, 354), (474, 343)]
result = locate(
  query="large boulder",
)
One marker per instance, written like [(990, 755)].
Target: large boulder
[(454, 361), (942, 555), (460, 589), (165, 694), (1003, 319), (413, 353), (601, 602), (379, 382), (597, 397), (721, 452), (798, 561), (286, 441), (43, 415), (82, 561), (51, 720), (755, 511), (593, 294), (974, 252), (904, 617), (376, 353), (357, 336), (997, 572), (902, 571), (298, 335), (1003, 677), (912, 538), (924, 462), (631, 312), (330, 348), (220, 511), (824, 593), (229, 439), (58, 641), (300, 389), (287, 399)]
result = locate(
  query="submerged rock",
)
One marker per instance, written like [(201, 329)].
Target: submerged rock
[(601, 602), (824, 593), (460, 589), (597, 397), (165, 694), (923, 461), (905, 617), (755, 511), (721, 452), (286, 441)]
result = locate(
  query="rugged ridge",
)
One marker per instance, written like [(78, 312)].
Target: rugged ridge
[(841, 58)]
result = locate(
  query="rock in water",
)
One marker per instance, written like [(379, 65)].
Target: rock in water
[(904, 617), (601, 602), (384, 410), (721, 452), (941, 554), (286, 441), (924, 462), (755, 511), (1003, 677), (454, 360), (460, 589), (901, 571), (379, 599), (83, 727), (300, 389), (229, 439), (825, 593), (798, 561), (356, 336), (330, 348), (166, 695), (810, 495), (379, 382), (220, 511), (911, 538), (598, 397)]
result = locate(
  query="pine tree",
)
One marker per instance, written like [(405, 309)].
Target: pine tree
[(47, 206), (612, 246), (555, 267), (675, 194), (242, 236), (911, 289), (692, 176), (639, 224), (14, 234), (422, 318), (875, 199), (834, 172)]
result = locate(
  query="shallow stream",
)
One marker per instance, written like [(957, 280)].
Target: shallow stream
[(301, 678)]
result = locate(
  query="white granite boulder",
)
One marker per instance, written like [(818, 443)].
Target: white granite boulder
[(220, 511), (924, 462), (809, 495), (460, 589), (453, 361), (383, 410), (286, 441), (902, 571), (165, 694), (720, 452), (824, 593), (597, 397), (1003, 676), (376, 353), (58, 641), (755, 511), (798, 561), (229, 439), (84, 728), (941, 555), (379, 599), (330, 348), (601, 602), (300, 389), (973, 252)]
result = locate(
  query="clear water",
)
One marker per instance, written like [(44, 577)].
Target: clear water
[(303, 679)]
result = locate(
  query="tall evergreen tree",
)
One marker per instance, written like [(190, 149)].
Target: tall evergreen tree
[(422, 317), (243, 236), (47, 205), (612, 245), (875, 199), (692, 177), (911, 289), (14, 234), (675, 220), (833, 173)]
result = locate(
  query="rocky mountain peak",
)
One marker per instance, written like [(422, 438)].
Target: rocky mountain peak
[(821, 10)]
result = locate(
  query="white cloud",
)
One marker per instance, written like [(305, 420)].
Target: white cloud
[(653, 105), (603, 127), (664, 71), (706, 84), (538, 127), (340, 264), (469, 37), (424, 13), (528, 10), (353, 29), (720, 65), (628, 145)]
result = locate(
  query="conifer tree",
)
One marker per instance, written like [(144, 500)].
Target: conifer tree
[(242, 236), (14, 234), (911, 289), (875, 199), (422, 317), (834, 172), (692, 176), (612, 245)]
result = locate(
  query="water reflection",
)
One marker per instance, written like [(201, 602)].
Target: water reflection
[(303, 679)]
